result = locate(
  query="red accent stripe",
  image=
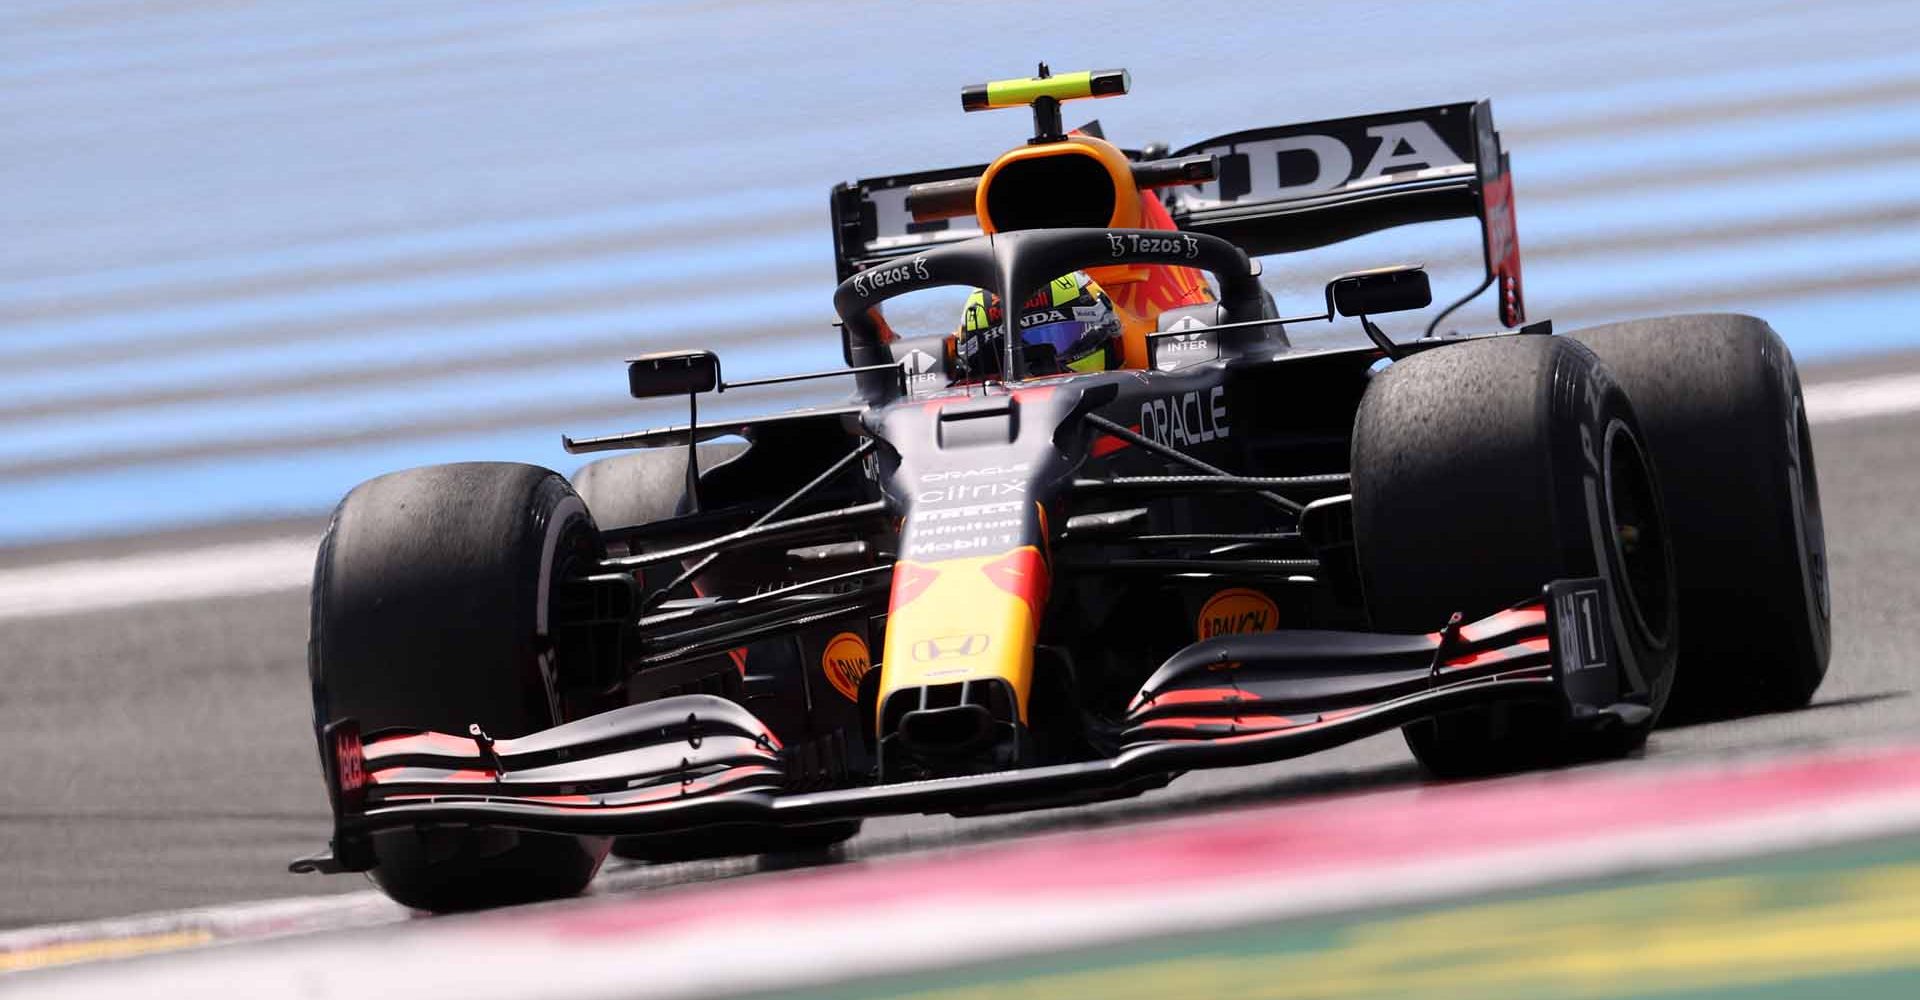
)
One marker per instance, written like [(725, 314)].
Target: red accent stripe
[(1023, 574), (1107, 444), (1194, 696), (1511, 620), (910, 580), (1500, 654), (428, 744), (390, 775)]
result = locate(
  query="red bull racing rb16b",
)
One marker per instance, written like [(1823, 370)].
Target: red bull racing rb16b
[(1108, 527)]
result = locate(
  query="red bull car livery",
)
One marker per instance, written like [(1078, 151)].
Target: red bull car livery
[(992, 581)]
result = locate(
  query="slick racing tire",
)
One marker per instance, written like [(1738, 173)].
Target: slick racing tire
[(431, 601), (641, 487), (1483, 470), (1719, 399)]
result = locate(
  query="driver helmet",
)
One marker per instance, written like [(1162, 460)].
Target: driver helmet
[(1067, 326)]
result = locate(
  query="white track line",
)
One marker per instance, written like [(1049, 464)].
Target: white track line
[(1880, 396), (243, 569), (235, 570)]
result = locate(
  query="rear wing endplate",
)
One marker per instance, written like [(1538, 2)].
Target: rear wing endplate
[(871, 222)]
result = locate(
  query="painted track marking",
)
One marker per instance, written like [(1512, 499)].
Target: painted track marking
[(1818, 918), (1083, 889), (95, 949)]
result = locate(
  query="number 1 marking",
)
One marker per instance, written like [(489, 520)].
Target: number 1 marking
[(1593, 634)]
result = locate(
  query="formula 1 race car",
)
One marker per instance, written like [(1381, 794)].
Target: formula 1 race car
[(997, 581)]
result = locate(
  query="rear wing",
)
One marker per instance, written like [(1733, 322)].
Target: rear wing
[(1297, 187), (1277, 190)]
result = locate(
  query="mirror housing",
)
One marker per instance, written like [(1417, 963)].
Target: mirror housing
[(1396, 288), (672, 373)]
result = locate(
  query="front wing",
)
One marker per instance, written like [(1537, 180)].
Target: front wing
[(695, 761)]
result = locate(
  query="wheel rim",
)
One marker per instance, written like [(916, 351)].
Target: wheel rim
[(1638, 533)]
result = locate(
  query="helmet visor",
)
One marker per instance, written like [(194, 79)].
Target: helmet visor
[(1064, 337)]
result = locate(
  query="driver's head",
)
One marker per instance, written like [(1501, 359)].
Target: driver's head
[(1068, 326)]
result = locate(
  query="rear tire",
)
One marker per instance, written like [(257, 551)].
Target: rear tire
[(1483, 470), (641, 487), (430, 611), (1720, 400)]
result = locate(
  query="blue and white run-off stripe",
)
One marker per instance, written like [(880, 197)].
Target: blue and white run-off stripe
[(256, 254)]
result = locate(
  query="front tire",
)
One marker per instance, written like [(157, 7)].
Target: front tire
[(431, 609), (1483, 470)]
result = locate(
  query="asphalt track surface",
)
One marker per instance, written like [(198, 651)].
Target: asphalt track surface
[(159, 757)]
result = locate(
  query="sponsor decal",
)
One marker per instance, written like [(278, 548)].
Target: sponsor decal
[(1173, 349), (979, 473), (1594, 396), (1051, 293), (1237, 611), (1163, 287), (1181, 245), (966, 492), (1580, 624), (349, 761), (971, 529), (939, 541), (974, 541), (1187, 419), (950, 646), (921, 368), (867, 282), (965, 528), (1041, 317), (989, 482), (844, 662), (969, 511), (1310, 163)]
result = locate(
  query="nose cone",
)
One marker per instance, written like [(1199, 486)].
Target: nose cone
[(958, 660)]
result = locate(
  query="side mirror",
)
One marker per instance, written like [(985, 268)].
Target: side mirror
[(1380, 290), (672, 373)]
